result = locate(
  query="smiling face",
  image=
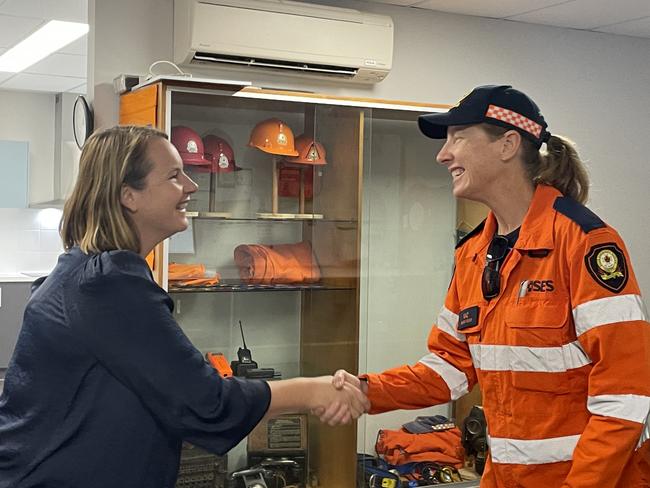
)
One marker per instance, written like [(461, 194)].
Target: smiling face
[(474, 161), (159, 209)]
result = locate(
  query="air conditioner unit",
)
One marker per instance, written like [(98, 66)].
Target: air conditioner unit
[(292, 37)]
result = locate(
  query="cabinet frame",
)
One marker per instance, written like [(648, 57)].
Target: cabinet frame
[(329, 322)]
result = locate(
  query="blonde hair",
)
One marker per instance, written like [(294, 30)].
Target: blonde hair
[(559, 166), (93, 216)]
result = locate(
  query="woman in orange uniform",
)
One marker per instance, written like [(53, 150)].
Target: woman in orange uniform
[(543, 310)]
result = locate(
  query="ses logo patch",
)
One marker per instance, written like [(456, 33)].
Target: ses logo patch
[(540, 286)]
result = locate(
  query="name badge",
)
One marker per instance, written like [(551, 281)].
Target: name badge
[(468, 318)]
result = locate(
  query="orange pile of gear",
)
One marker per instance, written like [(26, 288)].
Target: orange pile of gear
[(401, 447), (281, 263), (191, 275)]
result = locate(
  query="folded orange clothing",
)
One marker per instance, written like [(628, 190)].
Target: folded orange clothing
[(401, 447), (191, 275), (278, 263)]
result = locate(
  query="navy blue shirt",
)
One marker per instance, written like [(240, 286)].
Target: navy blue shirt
[(103, 385)]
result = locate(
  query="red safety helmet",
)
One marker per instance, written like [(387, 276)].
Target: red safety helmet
[(274, 137), (220, 153), (309, 151), (189, 146)]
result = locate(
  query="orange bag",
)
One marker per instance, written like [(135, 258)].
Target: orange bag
[(401, 447)]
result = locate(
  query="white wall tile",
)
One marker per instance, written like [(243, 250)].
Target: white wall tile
[(50, 240), (30, 240), (46, 261)]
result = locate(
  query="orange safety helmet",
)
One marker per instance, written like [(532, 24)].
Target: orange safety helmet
[(189, 145), (274, 137), (309, 151), (220, 153)]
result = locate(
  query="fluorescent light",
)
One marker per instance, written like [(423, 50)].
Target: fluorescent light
[(50, 38)]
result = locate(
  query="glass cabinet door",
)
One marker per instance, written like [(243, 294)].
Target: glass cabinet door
[(408, 237), (299, 197)]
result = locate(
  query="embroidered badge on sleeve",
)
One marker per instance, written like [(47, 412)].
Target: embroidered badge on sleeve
[(606, 264)]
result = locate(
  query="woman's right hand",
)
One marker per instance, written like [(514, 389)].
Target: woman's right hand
[(338, 405), (341, 377)]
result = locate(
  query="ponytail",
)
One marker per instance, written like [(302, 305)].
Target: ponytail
[(560, 167)]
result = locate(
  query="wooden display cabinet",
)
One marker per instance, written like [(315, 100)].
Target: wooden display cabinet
[(301, 329)]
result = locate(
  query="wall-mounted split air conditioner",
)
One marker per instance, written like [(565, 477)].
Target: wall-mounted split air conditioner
[(279, 35)]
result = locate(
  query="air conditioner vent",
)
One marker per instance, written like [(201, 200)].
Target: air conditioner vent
[(339, 71), (288, 37)]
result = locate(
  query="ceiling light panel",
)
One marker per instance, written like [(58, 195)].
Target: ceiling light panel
[(50, 38)]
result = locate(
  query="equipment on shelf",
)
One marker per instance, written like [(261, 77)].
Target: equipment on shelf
[(244, 356), (201, 469), (246, 367), (277, 263), (475, 437), (189, 145), (218, 361), (273, 136), (251, 477), (279, 445), (309, 150), (296, 175), (296, 182), (220, 153), (222, 158)]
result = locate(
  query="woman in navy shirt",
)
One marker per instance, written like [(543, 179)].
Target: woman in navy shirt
[(103, 385)]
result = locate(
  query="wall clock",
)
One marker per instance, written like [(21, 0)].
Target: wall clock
[(82, 121)]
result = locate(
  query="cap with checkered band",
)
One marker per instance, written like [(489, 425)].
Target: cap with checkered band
[(499, 105)]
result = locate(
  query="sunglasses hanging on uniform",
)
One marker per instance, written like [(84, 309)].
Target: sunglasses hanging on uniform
[(497, 252)]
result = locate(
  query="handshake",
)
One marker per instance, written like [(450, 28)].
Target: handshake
[(340, 398)]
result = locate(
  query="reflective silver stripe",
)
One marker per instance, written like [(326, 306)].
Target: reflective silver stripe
[(634, 408), (622, 308), (447, 321), (538, 451), (455, 379), (534, 359)]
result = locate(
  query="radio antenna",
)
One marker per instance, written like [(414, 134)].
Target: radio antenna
[(241, 329)]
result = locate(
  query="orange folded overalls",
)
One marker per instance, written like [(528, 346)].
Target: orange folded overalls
[(281, 263)]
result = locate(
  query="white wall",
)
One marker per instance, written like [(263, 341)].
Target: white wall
[(126, 36), (592, 87), (28, 116), (30, 239)]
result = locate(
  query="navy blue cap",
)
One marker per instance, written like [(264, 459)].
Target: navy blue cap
[(499, 105)]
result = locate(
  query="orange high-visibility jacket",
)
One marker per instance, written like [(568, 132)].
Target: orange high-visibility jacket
[(562, 355)]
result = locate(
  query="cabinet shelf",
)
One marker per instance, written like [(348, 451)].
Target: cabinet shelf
[(280, 218), (245, 287)]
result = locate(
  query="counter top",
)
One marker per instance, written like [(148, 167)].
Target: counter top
[(18, 277)]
